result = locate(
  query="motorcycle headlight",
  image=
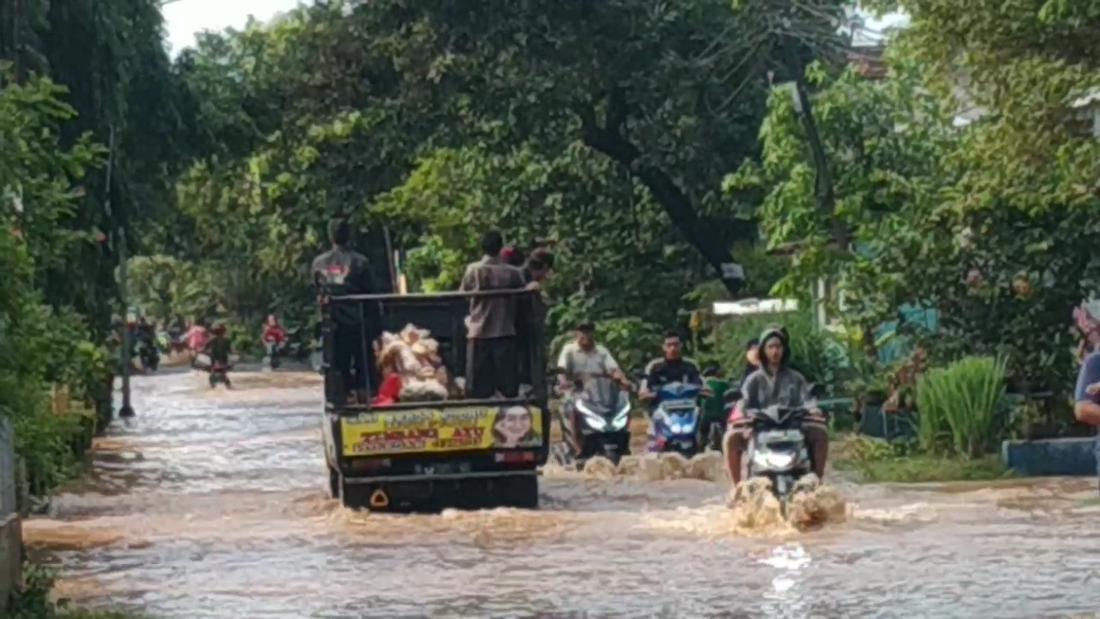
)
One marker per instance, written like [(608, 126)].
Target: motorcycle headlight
[(773, 460), (594, 421), (622, 417)]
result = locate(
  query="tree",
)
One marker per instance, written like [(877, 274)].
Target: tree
[(110, 57), (671, 93), (40, 345), (935, 222)]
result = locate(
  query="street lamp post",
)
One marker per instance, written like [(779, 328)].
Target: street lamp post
[(126, 410)]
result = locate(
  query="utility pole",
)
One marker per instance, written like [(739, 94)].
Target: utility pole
[(126, 410)]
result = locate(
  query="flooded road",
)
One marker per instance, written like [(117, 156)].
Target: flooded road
[(213, 504)]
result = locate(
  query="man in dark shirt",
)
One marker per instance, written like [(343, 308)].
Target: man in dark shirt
[(672, 368), (491, 351), (218, 349), (337, 272)]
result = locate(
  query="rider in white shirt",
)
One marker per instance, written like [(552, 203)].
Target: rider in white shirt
[(583, 356)]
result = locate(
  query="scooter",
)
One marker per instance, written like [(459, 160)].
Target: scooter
[(272, 353), (778, 449), (602, 408), (676, 419), (219, 372), (150, 356)]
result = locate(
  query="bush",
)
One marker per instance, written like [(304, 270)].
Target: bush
[(880, 461), (959, 405)]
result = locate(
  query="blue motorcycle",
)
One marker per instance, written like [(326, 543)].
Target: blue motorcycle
[(675, 419)]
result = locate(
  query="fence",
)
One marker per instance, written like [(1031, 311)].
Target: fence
[(11, 539)]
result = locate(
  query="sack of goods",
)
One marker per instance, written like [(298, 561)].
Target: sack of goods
[(413, 357)]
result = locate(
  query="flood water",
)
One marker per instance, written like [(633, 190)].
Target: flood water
[(213, 504)]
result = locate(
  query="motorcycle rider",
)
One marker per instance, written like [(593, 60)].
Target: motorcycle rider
[(146, 342), (672, 367), (218, 348), (584, 357), (274, 337), (197, 337), (775, 384), (177, 327)]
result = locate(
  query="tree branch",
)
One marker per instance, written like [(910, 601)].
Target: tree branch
[(676, 204)]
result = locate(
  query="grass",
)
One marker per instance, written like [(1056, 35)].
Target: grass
[(877, 461), (33, 601)]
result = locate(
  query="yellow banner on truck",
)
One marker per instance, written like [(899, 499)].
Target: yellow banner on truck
[(435, 430)]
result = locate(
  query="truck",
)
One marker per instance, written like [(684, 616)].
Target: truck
[(426, 456)]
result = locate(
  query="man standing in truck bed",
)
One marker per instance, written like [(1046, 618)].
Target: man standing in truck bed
[(342, 271), (491, 347)]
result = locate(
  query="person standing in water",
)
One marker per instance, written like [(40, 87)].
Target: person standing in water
[(775, 384)]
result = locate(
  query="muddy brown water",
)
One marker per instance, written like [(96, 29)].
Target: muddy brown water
[(212, 504)]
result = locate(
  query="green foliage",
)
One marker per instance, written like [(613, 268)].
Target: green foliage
[(33, 601), (990, 225), (959, 406), (438, 121), (109, 57), (41, 346), (878, 461)]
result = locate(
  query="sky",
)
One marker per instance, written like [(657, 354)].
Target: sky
[(183, 18)]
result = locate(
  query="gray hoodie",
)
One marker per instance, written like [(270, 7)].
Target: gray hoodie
[(786, 389)]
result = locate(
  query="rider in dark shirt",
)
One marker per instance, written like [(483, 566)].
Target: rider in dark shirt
[(341, 271), (673, 367)]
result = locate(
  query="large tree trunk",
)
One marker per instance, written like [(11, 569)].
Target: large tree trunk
[(708, 241)]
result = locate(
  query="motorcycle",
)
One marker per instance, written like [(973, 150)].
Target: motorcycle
[(272, 351), (219, 372), (676, 419), (602, 408), (778, 449), (149, 355)]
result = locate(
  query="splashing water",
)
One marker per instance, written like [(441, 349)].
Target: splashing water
[(811, 504)]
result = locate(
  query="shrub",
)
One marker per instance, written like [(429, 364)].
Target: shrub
[(959, 406)]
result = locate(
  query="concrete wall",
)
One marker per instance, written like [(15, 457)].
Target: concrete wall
[(1056, 456), (11, 540)]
